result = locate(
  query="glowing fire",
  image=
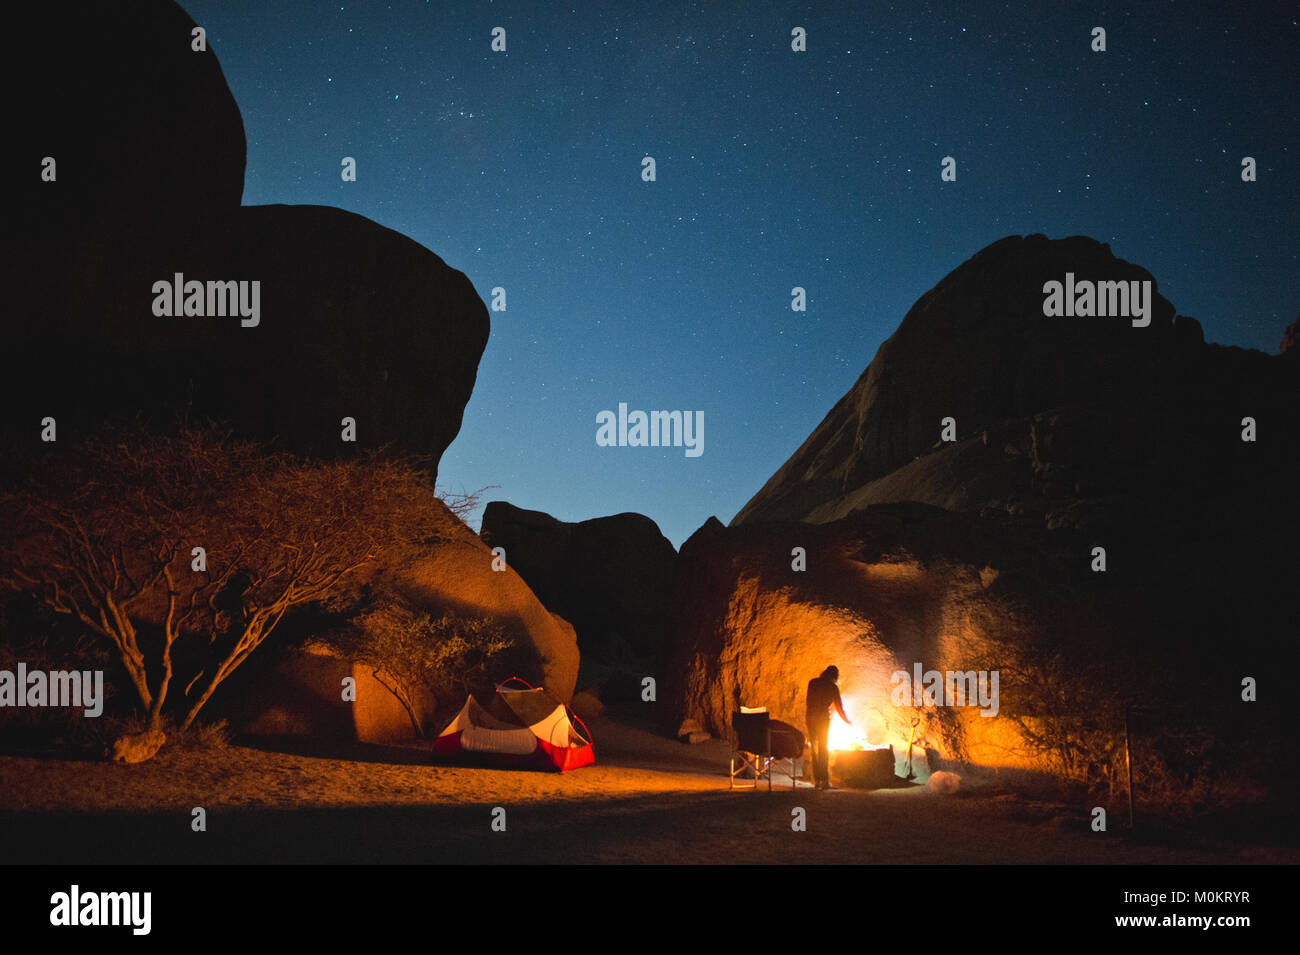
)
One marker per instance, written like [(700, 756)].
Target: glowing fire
[(843, 736), (866, 720)]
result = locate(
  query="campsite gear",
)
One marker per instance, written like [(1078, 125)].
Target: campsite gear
[(758, 743), (788, 744), (910, 739), (751, 745), (521, 729), (864, 768), (787, 740)]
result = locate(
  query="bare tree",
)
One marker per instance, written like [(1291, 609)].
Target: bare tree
[(195, 546)]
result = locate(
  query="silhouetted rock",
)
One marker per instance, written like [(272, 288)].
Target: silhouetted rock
[(610, 576), (1051, 413), (1075, 436), (354, 320), (357, 320), (143, 129), (349, 319), (1290, 338)]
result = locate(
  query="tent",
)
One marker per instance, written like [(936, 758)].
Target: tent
[(521, 729)]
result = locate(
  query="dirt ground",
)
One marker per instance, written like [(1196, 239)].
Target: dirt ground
[(648, 800)]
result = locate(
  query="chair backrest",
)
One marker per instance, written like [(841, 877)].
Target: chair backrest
[(753, 732)]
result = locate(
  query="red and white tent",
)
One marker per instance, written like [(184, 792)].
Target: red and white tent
[(522, 729)]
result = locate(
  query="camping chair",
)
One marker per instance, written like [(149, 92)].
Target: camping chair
[(751, 745)]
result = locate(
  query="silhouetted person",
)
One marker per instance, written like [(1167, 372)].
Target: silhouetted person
[(823, 695)]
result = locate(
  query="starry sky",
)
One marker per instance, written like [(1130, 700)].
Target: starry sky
[(775, 169)]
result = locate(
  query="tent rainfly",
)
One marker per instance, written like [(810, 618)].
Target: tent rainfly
[(522, 729)]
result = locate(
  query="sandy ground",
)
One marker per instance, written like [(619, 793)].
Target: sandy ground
[(648, 799)]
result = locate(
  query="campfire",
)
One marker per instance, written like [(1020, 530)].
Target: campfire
[(844, 737), (856, 761)]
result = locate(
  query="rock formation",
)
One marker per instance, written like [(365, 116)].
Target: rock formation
[(144, 131), (1072, 434), (144, 179), (610, 576), (1048, 411), (456, 572), (355, 320), (295, 690), (884, 589)]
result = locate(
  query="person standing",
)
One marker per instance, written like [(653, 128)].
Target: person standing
[(823, 696)]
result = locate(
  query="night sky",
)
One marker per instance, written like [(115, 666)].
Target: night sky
[(775, 169)]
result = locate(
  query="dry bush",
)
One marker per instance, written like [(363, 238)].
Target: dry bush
[(419, 649), (462, 503)]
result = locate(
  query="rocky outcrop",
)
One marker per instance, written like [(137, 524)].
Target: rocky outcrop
[(883, 590), (1173, 459), (302, 695), (610, 576), (1188, 606), (353, 319), (1048, 411), (293, 688), (341, 317), (144, 131), (457, 574)]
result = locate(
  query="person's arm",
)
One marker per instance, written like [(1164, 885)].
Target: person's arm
[(839, 707)]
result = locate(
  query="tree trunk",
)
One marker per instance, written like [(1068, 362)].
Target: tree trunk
[(406, 699)]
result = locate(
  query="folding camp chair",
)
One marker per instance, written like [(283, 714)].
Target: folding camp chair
[(759, 743), (751, 745)]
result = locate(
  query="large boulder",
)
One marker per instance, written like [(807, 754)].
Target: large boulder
[(302, 695), (457, 573), (347, 319), (293, 687), (609, 576), (354, 320), (1191, 604)]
